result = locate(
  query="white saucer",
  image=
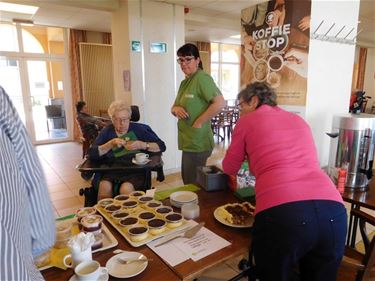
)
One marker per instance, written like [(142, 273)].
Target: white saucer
[(103, 277), (119, 270), (143, 163)]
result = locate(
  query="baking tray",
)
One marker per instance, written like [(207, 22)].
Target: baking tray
[(150, 237), (109, 241)]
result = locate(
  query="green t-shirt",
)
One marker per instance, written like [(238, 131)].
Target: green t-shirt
[(195, 94)]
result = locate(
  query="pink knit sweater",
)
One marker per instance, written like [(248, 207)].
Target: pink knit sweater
[(282, 156)]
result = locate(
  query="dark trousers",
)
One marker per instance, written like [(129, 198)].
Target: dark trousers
[(190, 162), (305, 236)]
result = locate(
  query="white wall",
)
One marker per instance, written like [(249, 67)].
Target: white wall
[(330, 70), (155, 77)]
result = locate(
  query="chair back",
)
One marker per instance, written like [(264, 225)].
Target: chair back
[(53, 110), (364, 264)]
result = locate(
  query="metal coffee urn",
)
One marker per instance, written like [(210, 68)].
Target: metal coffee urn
[(352, 147)]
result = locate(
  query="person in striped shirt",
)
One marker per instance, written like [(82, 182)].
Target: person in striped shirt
[(27, 227)]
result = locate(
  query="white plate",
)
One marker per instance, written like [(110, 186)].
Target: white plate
[(143, 163), (102, 277), (223, 221), (183, 196), (120, 270)]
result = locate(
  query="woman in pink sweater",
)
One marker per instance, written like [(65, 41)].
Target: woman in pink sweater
[(300, 217)]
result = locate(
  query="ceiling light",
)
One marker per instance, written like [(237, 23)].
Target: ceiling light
[(16, 8), (238, 36)]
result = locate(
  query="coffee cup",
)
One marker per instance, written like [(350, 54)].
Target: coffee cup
[(89, 271), (77, 257), (275, 62), (141, 157)]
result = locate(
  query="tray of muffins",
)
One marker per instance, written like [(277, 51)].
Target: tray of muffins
[(87, 220), (139, 218)]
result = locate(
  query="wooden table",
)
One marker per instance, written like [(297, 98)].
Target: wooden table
[(156, 269), (240, 239), (358, 199)]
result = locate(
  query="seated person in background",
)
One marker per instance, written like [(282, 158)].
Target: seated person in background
[(90, 125), (110, 137)]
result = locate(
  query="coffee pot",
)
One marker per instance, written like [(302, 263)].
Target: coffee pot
[(352, 148)]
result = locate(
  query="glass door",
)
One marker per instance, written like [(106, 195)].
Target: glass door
[(33, 68), (47, 100)]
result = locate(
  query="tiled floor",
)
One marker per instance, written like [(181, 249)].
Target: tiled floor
[(64, 181)]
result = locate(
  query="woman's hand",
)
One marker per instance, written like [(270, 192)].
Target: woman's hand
[(179, 112), (117, 142), (135, 145)]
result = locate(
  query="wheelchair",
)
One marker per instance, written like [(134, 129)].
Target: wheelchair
[(91, 193)]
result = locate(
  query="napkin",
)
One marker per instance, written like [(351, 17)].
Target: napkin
[(161, 195), (121, 151), (81, 242)]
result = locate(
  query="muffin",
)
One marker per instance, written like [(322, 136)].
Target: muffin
[(112, 208), (173, 220), (163, 210), (130, 205), (92, 223), (119, 215), (63, 230), (105, 202), (146, 216), (138, 232), (156, 226), (85, 211), (121, 198), (144, 199), (136, 194), (98, 241), (152, 205), (128, 221)]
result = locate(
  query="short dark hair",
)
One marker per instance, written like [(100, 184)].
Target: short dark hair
[(190, 50), (80, 105), (263, 91)]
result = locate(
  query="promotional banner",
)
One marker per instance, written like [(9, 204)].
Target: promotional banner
[(275, 46)]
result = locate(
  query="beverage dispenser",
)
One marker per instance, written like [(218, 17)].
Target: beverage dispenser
[(352, 148)]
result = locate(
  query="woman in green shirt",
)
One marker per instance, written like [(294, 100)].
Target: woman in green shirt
[(197, 101)]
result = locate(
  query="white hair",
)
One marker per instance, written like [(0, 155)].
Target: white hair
[(118, 106)]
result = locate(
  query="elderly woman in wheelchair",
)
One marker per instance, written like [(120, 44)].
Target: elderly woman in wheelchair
[(122, 134)]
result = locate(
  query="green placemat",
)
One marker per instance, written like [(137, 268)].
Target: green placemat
[(161, 195)]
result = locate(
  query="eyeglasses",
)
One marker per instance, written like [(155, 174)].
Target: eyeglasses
[(121, 120), (240, 103), (186, 60)]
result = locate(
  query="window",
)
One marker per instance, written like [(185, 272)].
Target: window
[(225, 68)]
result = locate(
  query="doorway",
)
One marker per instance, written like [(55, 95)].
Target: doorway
[(33, 72)]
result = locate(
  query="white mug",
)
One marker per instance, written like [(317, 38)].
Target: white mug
[(77, 258), (89, 271), (141, 157)]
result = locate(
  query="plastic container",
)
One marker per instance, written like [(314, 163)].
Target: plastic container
[(211, 178), (190, 211)]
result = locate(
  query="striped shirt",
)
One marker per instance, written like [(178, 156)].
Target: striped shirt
[(27, 226)]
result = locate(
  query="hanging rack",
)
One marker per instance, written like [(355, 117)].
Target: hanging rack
[(335, 38)]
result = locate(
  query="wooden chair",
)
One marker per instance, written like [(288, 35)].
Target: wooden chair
[(356, 264)]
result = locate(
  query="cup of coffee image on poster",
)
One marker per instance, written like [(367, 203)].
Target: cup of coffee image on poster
[(274, 47)]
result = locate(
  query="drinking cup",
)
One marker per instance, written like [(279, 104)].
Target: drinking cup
[(275, 62), (141, 157), (190, 211), (75, 258), (89, 271)]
